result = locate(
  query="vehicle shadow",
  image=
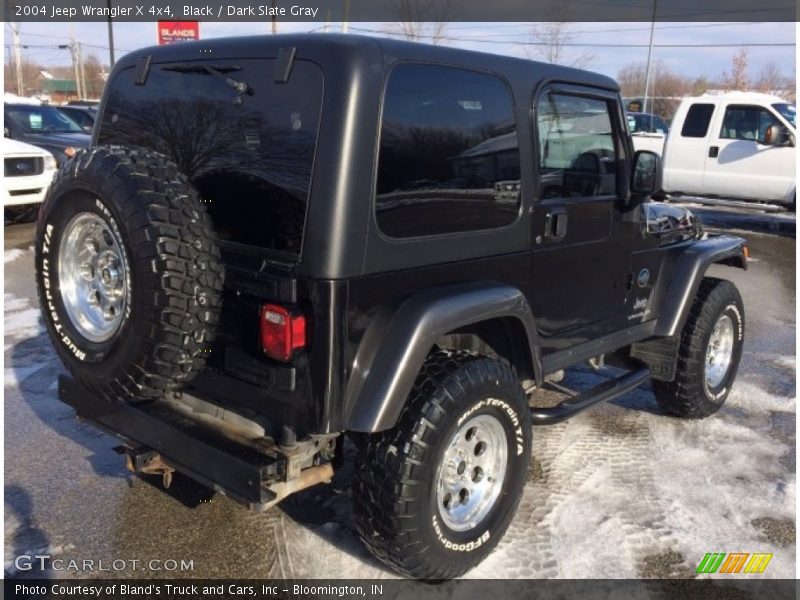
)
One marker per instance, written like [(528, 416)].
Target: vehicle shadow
[(333, 503), (27, 540)]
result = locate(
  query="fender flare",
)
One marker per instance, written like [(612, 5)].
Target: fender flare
[(401, 335), (685, 279)]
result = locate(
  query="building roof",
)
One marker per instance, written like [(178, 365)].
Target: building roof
[(65, 86)]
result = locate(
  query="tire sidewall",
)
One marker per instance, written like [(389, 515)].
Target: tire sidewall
[(733, 309), (72, 346), (505, 407)]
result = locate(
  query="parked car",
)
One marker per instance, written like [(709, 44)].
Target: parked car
[(82, 115), (46, 127), (738, 145), (342, 235), (27, 171)]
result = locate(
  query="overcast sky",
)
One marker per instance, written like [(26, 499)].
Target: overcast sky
[(500, 38)]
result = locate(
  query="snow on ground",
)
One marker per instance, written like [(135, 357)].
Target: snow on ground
[(12, 255), (618, 491)]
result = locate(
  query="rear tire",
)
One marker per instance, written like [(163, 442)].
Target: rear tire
[(128, 273), (714, 331), (431, 500)]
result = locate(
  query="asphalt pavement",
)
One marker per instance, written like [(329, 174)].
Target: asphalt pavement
[(620, 490)]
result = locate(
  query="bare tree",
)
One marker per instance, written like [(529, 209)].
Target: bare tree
[(770, 78), (736, 79), (667, 90), (422, 20), (95, 72), (31, 75), (552, 41)]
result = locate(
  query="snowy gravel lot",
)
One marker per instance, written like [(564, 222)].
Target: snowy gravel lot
[(618, 491)]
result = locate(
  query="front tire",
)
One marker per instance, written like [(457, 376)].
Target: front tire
[(708, 355), (435, 494)]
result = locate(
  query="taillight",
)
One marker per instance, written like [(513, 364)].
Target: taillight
[(282, 332)]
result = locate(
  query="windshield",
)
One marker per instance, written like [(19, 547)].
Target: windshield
[(41, 119), (787, 111), (646, 123)]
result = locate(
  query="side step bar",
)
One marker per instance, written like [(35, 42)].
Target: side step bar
[(608, 390)]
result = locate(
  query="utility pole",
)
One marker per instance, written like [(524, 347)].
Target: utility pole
[(84, 91), (17, 58), (649, 55), (74, 52), (110, 36), (345, 21)]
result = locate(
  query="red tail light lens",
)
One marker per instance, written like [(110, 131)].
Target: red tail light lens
[(282, 332)]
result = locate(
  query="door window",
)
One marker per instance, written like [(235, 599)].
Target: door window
[(746, 123), (578, 156), (698, 118)]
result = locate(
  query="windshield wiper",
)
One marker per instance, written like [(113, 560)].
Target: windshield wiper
[(240, 87)]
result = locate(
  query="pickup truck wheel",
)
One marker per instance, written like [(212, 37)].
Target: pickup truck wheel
[(709, 353), (128, 273), (435, 494)]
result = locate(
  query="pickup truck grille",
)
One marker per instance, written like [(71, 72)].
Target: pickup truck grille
[(20, 167)]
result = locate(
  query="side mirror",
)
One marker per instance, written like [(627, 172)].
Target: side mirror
[(773, 135), (646, 176)]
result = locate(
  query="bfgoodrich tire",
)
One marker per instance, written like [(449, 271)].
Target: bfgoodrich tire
[(434, 495), (128, 273), (709, 353)]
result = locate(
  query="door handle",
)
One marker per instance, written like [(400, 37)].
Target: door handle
[(556, 224), (713, 152)]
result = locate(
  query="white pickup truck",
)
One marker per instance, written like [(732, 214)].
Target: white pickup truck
[(737, 145)]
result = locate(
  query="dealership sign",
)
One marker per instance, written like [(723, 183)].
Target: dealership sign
[(170, 32)]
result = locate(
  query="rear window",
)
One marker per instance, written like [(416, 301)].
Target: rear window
[(698, 118), (249, 152), (449, 159)]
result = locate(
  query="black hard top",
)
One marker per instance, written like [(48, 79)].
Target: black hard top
[(342, 238), (315, 46)]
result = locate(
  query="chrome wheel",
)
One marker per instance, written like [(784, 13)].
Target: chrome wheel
[(471, 475), (719, 352), (92, 277)]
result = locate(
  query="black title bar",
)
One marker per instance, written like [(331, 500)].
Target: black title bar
[(322, 11)]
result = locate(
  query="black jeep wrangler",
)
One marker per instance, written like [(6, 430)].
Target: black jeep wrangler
[(274, 241)]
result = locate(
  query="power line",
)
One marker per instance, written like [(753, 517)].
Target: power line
[(587, 44)]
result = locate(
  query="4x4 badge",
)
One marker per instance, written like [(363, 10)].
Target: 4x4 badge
[(644, 278)]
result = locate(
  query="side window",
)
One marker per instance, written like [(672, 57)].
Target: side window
[(698, 118), (576, 147), (746, 123), (448, 158)]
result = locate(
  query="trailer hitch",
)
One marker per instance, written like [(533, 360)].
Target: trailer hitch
[(147, 461)]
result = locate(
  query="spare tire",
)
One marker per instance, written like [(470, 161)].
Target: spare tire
[(128, 273)]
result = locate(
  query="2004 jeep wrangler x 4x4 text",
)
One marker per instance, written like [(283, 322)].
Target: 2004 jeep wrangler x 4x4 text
[(276, 241)]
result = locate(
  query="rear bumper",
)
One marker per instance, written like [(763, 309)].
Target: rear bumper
[(209, 450)]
